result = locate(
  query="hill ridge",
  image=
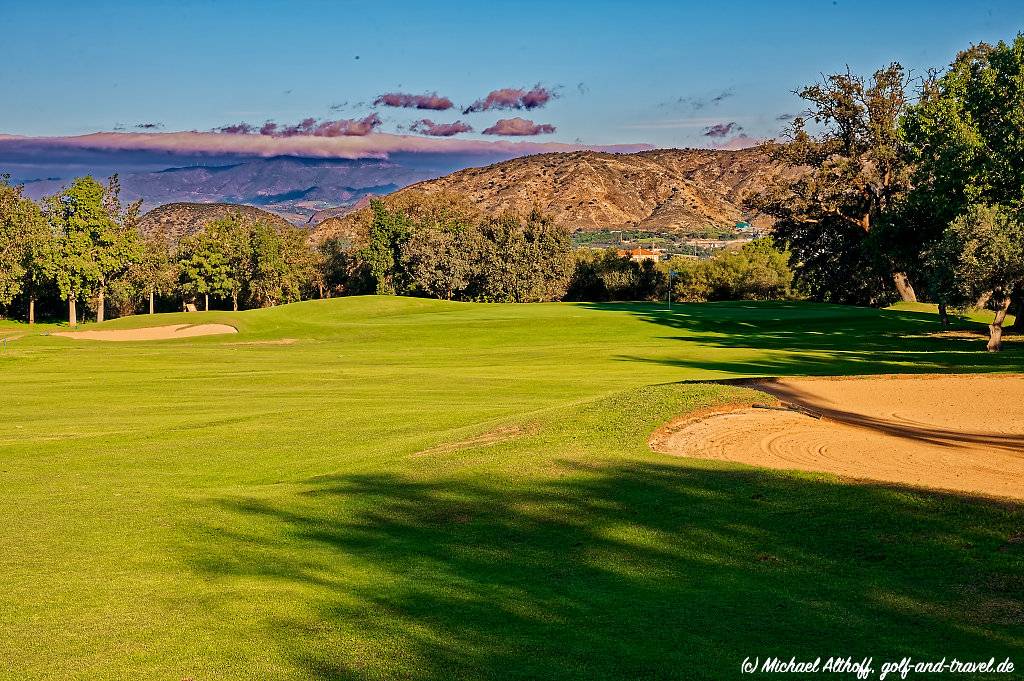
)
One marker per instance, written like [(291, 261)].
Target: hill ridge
[(663, 190)]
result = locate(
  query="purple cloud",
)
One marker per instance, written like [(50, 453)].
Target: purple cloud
[(722, 129), (431, 101), (236, 129), (308, 127), (519, 127), (512, 98), (425, 126)]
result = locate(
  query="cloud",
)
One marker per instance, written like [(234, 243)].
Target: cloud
[(214, 144), (307, 127), (785, 117), (671, 124), (722, 129), (512, 98), (236, 129), (149, 126), (519, 127), (698, 103), (431, 101), (582, 88), (722, 96), (741, 141), (425, 126)]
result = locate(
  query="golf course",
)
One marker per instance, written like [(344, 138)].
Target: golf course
[(385, 487)]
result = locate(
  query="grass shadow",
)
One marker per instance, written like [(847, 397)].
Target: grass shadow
[(636, 571), (814, 339)]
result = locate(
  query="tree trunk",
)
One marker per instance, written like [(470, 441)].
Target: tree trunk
[(150, 301), (234, 300), (943, 316), (321, 290), (904, 288), (206, 302), (72, 313), (1017, 308), (983, 300), (995, 329), (31, 310), (100, 300)]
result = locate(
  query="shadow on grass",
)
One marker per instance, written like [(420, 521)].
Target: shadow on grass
[(821, 339), (629, 571)]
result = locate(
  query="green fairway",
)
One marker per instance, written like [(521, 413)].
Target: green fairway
[(384, 487)]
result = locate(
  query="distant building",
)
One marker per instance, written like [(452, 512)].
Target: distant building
[(712, 244), (639, 254)]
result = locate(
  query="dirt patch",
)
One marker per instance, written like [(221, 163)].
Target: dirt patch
[(168, 332), (958, 433), (277, 341), (491, 437)]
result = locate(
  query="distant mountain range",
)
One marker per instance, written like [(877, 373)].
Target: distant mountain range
[(665, 190), (294, 188)]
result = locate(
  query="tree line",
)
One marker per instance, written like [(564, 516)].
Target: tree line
[(83, 244), (440, 246), (913, 187)]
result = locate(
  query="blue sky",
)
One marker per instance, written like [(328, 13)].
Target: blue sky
[(619, 69)]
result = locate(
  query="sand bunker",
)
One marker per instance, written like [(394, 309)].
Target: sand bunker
[(959, 433), (169, 332)]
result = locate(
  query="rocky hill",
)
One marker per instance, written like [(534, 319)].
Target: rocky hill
[(180, 219), (665, 190)]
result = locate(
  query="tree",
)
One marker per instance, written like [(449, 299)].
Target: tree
[(82, 227), (301, 261), (521, 260), (339, 269), (438, 260), (966, 140), (856, 175), (981, 253), (119, 246), (25, 242), (757, 271), (157, 270), (234, 236), (386, 236), (203, 265)]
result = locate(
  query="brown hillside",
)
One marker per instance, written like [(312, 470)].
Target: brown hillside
[(181, 219), (664, 190)]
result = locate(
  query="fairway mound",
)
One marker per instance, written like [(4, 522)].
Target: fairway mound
[(956, 433), (168, 332)]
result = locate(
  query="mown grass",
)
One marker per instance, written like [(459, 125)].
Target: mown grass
[(431, 490)]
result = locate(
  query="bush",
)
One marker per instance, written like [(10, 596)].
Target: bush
[(758, 271)]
